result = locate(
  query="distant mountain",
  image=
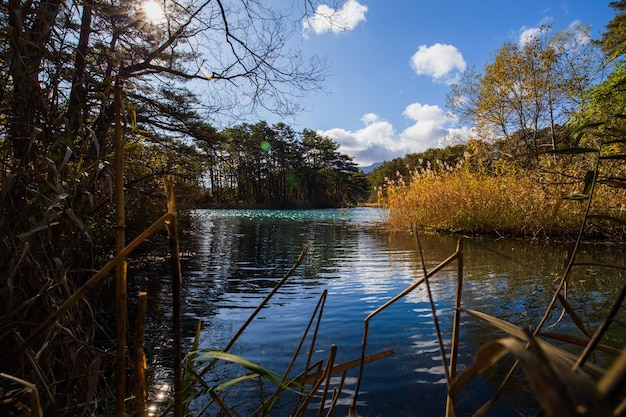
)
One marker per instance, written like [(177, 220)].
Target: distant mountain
[(369, 168)]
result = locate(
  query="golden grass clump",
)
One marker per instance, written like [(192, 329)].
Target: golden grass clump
[(505, 200)]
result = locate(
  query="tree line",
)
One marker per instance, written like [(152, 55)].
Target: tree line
[(85, 84), (275, 166), (530, 90)]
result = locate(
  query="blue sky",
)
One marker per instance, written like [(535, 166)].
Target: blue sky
[(393, 61)]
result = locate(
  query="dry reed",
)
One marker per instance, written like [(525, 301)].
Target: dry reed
[(508, 202), (513, 201)]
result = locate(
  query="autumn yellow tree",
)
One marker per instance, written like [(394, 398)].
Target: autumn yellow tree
[(530, 89)]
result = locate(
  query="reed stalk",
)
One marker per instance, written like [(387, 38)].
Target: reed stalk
[(317, 312), (120, 268), (325, 380), (242, 328), (318, 375), (34, 403), (433, 310), (456, 327), (172, 229), (264, 302), (86, 287), (141, 408), (121, 313), (595, 340), (427, 274)]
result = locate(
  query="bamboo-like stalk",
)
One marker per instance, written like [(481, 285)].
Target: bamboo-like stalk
[(84, 289), (121, 314), (316, 331), (336, 393), (569, 264), (172, 229), (318, 311), (335, 397), (307, 366), (239, 332), (326, 378), (572, 258), (140, 357), (33, 394), (595, 340), (261, 305), (345, 366), (433, 309), (319, 308), (456, 326), (45, 384), (402, 294), (120, 267), (366, 324)]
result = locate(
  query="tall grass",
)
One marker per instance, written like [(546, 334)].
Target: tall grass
[(499, 199), (575, 190)]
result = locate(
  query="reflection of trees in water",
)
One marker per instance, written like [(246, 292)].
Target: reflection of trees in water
[(514, 280), (233, 262)]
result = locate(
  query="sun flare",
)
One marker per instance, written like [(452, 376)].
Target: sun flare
[(153, 11)]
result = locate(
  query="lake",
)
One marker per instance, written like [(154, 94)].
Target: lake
[(233, 258)]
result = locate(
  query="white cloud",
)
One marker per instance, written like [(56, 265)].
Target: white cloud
[(378, 141), (327, 19), (370, 118), (444, 63), (580, 36), (528, 34), (428, 129), (374, 142)]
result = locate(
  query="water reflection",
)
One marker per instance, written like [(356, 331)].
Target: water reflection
[(235, 258)]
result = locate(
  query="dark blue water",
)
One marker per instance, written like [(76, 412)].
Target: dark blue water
[(233, 258)]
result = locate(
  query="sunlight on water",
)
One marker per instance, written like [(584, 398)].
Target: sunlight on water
[(361, 215), (238, 256)]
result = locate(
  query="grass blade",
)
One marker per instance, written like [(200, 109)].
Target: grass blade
[(556, 354)]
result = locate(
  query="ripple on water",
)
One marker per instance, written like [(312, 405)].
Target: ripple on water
[(240, 255)]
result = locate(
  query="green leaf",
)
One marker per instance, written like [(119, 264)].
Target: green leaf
[(590, 177), (191, 373), (576, 197), (190, 359), (614, 183), (25, 235), (251, 366), (257, 370), (235, 381), (590, 128)]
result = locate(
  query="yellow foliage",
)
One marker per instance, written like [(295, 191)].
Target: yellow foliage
[(502, 200)]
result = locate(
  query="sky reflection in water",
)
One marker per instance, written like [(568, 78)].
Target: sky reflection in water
[(235, 257)]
